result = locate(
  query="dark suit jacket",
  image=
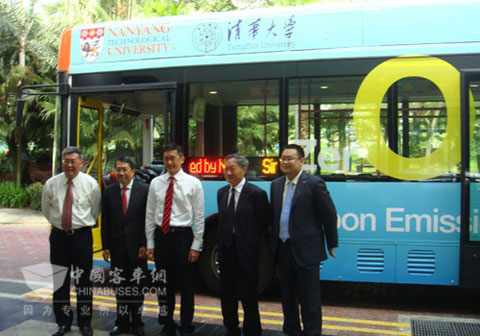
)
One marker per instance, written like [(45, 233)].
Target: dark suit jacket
[(313, 218), (252, 221), (121, 232)]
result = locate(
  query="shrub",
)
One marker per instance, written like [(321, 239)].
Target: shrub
[(34, 192), (13, 197)]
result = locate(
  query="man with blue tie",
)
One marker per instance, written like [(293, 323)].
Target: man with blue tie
[(304, 219)]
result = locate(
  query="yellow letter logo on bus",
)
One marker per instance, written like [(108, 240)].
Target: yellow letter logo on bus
[(367, 117)]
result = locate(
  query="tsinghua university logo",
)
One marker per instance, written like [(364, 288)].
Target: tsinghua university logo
[(207, 37), (91, 43)]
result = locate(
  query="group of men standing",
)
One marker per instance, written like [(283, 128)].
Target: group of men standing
[(164, 222)]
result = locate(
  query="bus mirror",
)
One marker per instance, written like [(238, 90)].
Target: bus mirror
[(20, 105)]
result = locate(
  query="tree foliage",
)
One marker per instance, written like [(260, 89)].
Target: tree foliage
[(29, 39)]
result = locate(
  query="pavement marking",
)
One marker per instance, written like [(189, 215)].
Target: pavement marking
[(148, 306), (12, 296)]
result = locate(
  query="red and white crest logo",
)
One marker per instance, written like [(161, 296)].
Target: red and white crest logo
[(91, 43)]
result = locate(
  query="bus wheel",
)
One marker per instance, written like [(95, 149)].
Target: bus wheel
[(208, 262), (209, 266)]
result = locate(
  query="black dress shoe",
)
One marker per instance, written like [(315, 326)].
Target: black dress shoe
[(86, 331), (118, 331), (61, 330), (168, 330), (138, 331)]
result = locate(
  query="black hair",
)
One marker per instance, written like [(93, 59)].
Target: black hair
[(129, 160), (173, 146), (299, 149)]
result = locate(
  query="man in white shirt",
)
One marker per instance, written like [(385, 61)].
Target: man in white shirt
[(174, 225), (71, 203)]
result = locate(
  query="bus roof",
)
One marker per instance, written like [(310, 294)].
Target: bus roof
[(327, 31)]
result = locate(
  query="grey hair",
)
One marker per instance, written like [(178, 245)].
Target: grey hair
[(241, 160), (73, 149)]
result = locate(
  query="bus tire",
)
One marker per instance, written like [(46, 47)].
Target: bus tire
[(209, 268), (208, 262)]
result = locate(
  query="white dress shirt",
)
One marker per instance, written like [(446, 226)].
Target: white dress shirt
[(188, 208), (86, 200), (238, 189), (128, 191)]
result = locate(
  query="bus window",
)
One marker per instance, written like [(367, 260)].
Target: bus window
[(321, 109), (474, 164), (122, 135), (414, 123), (475, 139), (228, 117)]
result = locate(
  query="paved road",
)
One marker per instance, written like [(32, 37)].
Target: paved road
[(349, 308)]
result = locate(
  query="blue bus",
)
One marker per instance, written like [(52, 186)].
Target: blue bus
[(383, 96)]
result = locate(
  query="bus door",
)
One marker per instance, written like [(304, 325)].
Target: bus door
[(470, 181), (89, 139), (124, 121)]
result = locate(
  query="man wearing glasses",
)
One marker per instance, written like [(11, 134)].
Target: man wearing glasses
[(71, 204), (304, 220)]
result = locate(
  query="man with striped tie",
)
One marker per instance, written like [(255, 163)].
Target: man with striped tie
[(174, 224)]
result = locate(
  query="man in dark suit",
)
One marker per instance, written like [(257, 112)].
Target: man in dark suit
[(243, 216), (123, 238), (304, 216)]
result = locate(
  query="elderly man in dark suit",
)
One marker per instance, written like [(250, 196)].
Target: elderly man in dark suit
[(243, 216), (123, 238), (304, 216)]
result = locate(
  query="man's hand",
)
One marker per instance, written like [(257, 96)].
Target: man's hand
[(106, 255), (150, 254), (330, 251), (193, 256), (142, 252)]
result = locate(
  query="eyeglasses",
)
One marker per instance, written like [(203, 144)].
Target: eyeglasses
[(288, 159), (67, 162), (122, 170), (171, 158)]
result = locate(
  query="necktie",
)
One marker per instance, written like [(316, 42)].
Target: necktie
[(230, 219), (167, 208), (67, 208), (124, 200), (285, 216), (231, 205)]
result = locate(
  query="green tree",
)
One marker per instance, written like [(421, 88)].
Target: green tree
[(26, 59)]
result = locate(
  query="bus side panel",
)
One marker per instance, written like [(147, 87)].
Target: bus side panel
[(396, 232)]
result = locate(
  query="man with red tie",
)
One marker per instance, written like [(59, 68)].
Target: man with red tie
[(123, 239), (71, 204), (174, 226)]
